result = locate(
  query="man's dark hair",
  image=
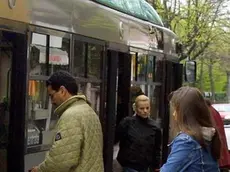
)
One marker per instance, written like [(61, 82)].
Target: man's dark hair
[(63, 78)]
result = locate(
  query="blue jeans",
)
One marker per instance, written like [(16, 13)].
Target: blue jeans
[(126, 169)]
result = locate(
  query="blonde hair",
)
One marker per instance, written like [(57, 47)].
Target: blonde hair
[(139, 99)]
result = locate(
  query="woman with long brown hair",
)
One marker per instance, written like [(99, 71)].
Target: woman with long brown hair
[(197, 145)]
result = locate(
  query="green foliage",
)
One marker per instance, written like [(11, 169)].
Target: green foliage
[(203, 28), (194, 21), (219, 76)]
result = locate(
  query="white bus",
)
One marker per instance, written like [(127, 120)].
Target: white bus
[(113, 48)]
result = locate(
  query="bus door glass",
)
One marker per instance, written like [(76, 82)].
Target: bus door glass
[(48, 53), (5, 69)]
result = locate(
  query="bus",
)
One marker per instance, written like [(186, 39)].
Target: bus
[(112, 47)]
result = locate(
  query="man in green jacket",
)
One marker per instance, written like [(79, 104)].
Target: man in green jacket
[(78, 143)]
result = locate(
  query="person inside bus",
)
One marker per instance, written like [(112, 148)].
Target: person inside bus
[(139, 140), (78, 143), (224, 161), (197, 144)]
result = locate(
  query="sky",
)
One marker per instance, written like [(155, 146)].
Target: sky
[(228, 5)]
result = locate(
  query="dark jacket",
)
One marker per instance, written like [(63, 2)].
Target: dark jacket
[(224, 161), (140, 143)]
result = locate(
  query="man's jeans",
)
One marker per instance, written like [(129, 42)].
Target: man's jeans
[(126, 169)]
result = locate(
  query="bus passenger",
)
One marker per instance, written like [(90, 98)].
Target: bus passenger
[(197, 145), (140, 140), (78, 143)]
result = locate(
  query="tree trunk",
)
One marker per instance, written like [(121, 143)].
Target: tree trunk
[(201, 74), (228, 86), (212, 85)]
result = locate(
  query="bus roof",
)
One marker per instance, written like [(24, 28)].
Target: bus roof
[(137, 8)]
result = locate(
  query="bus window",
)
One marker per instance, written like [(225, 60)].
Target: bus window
[(150, 68), (142, 68), (41, 120), (87, 68), (94, 61), (133, 67), (37, 54), (58, 54), (5, 65), (154, 96), (79, 59), (92, 92), (144, 77)]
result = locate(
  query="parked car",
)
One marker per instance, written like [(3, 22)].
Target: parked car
[(227, 133), (224, 110)]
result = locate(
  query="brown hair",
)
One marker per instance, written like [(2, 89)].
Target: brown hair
[(208, 101), (193, 113)]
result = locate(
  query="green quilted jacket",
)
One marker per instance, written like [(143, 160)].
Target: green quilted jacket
[(78, 143)]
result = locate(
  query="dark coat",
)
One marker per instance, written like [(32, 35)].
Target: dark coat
[(224, 161), (140, 143)]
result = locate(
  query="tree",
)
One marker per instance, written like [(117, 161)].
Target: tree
[(213, 59), (193, 21)]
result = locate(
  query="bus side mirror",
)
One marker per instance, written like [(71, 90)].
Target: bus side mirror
[(190, 71)]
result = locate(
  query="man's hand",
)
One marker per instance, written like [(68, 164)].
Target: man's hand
[(157, 170), (34, 169)]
